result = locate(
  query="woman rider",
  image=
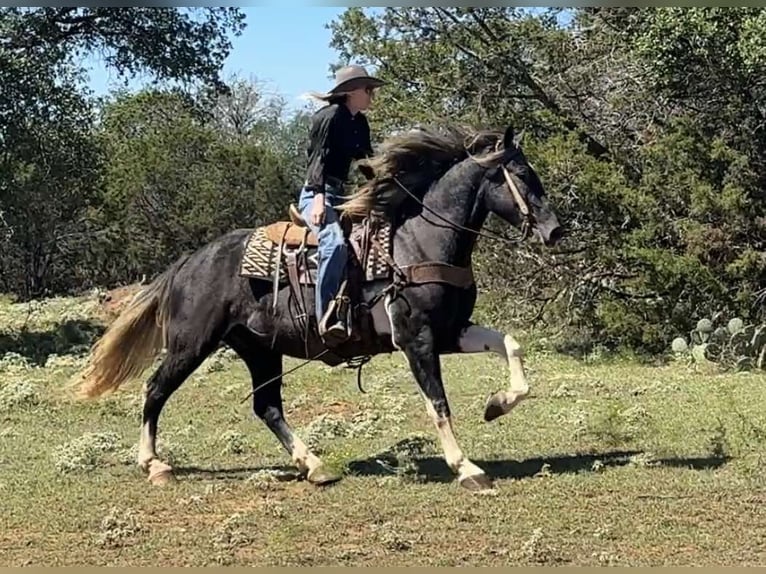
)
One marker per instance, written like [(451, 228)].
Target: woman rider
[(339, 135)]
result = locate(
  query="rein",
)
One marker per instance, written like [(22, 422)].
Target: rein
[(280, 375)]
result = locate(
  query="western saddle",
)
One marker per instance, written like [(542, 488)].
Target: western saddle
[(285, 252)]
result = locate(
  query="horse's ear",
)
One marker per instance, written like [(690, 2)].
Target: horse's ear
[(508, 142)]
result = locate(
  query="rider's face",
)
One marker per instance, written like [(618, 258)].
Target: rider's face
[(361, 98)]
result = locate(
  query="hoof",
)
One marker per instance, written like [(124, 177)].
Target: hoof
[(494, 408), (477, 483), (501, 404), (321, 476), (160, 474), (163, 478)]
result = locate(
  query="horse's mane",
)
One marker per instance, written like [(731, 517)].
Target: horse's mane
[(416, 159)]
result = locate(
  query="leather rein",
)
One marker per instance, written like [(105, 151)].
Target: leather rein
[(518, 198)]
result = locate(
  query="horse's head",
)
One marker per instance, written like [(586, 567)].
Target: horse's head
[(513, 191)]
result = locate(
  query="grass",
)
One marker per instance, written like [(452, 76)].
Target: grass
[(610, 463)]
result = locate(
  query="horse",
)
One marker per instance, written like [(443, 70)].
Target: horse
[(435, 188)]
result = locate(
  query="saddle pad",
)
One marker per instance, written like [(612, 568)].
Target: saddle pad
[(375, 266), (262, 258)]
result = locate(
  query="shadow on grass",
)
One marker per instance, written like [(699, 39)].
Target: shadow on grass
[(280, 473), (434, 469), (62, 339)]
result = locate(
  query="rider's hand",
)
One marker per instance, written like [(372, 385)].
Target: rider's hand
[(318, 210)]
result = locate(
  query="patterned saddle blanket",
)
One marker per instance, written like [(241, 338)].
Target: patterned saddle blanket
[(273, 252)]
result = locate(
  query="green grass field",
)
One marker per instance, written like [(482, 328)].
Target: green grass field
[(610, 462)]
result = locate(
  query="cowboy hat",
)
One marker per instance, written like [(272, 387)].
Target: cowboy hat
[(352, 77)]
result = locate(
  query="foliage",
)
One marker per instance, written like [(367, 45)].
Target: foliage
[(51, 163), (175, 180), (170, 175), (49, 174), (646, 127), (730, 344), (184, 45)]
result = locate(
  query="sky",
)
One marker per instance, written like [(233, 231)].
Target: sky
[(286, 49)]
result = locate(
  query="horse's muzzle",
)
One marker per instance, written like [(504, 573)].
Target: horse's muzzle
[(550, 235)]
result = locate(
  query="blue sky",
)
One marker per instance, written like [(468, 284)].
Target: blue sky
[(286, 48)]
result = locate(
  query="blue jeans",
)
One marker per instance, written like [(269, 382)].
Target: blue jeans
[(332, 251)]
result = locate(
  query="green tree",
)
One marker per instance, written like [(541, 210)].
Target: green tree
[(646, 126), (49, 171), (178, 44), (49, 162), (175, 179)]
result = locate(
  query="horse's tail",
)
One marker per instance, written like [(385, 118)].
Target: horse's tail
[(132, 341)]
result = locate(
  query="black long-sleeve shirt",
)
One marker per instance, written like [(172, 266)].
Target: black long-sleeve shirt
[(336, 139)]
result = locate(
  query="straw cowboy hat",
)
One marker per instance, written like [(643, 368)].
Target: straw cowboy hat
[(349, 78)]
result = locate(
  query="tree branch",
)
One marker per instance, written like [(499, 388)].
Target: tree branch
[(595, 147), (482, 24)]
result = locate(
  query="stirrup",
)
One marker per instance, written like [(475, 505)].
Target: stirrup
[(335, 326)]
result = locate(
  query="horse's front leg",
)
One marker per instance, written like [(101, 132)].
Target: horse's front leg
[(417, 344), (478, 339)]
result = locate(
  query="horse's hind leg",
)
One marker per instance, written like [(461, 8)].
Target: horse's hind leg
[(182, 358), (265, 365), (478, 339)]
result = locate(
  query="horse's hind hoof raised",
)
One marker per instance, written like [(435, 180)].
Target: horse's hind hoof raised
[(322, 476)]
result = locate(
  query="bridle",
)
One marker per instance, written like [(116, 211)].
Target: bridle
[(526, 224)]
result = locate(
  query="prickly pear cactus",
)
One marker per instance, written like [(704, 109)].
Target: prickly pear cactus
[(735, 325), (705, 326), (732, 345), (679, 345)]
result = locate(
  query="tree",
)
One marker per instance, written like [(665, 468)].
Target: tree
[(178, 44), (49, 165), (174, 179), (48, 172), (646, 126)]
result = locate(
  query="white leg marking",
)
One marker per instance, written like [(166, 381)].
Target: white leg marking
[(146, 447), (159, 472), (478, 339), (303, 458), (453, 455), (147, 441)]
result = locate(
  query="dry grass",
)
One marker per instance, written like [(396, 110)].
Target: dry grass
[(611, 463)]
